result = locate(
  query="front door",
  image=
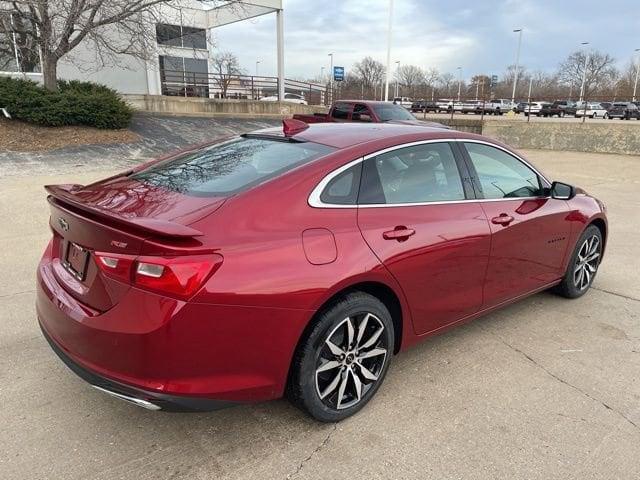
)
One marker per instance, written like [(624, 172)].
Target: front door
[(414, 214), (529, 229)]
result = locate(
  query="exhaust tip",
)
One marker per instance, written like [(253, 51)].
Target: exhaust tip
[(136, 401)]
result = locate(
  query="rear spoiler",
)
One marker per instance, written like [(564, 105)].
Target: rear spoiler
[(164, 228)]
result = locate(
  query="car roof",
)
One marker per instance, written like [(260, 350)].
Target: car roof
[(344, 135)]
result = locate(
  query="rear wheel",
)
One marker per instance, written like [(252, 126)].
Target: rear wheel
[(342, 361), (583, 265)]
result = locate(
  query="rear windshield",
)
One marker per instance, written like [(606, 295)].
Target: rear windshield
[(231, 167), (392, 112)]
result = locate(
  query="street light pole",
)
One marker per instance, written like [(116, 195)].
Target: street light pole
[(635, 84), (459, 82), (321, 74), (257, 63), (397, 75), (331, 76), (515, 77), (388, 76), (584, 72)]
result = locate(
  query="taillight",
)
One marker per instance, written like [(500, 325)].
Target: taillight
[(179, 276), (175, 276), (115, 265)]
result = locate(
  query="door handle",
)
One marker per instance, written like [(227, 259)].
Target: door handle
[(502, 219), (400, 233)]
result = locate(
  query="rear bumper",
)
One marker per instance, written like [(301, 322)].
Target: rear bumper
[(181, 354), (137, 396)]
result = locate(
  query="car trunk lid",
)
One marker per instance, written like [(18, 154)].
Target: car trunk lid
[(120, 216)]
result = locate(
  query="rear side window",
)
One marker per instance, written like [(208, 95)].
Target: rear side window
[(231, 167), (343, 188), (341, 110), (418, 174)]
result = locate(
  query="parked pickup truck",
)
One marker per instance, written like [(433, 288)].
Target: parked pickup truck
[(365, 111), (559, 108)]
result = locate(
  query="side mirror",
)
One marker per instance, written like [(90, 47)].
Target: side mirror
[(562, 191)]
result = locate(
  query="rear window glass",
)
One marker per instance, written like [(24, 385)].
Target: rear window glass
[(231, 167)]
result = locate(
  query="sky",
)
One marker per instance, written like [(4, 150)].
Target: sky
[(476, 35)]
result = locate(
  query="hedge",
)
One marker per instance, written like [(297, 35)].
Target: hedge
[(74, 103)]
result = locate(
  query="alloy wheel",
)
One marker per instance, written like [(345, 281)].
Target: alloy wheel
[(586, 263), (351, 361)]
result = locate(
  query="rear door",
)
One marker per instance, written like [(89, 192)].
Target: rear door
[(414, 213), (529, 230)]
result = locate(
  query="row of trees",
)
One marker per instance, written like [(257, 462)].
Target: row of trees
[(603, 81)]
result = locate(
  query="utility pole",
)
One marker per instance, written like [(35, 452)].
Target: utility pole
[(331, 77), (635, 84), (388, 76), (397, 75), (584, 72), (515, 77), (459, 82)]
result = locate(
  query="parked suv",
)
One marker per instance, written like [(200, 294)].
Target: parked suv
[(559, 108), (624, 111), (424, 106)]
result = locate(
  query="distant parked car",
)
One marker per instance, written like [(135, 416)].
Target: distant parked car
[(424, 106), (535, 108), (521, 107), (624, 111), (592, 110), (406, 102), (288, 97), (559, 108)]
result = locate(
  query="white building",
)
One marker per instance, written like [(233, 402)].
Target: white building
[(182, 61)]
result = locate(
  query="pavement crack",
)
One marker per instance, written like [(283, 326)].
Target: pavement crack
[(616, 294), (320, 446), (563, 381), (7, 295)]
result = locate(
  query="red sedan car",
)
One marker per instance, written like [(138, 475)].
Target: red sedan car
[(298, 261)]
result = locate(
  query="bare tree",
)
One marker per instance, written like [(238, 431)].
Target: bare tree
[(601, 72), (57, 27), (410, 77), (225, 66), (16, 41), (369, 71), (446, 82)]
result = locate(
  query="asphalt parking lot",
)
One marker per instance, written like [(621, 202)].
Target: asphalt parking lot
[(545, 389)]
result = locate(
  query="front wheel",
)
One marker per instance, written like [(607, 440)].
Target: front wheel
[(342, 361), (583, 265)]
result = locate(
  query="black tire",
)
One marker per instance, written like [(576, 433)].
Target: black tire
[(569, 287), (304, 387)]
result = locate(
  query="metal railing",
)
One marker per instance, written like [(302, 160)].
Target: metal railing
[(239, 87)]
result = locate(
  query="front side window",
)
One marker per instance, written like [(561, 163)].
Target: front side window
[(361, 113), (231, 167), (502, 175), (418, 174)]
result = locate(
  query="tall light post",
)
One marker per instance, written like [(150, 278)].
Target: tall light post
[(459, 82), (321, 74), (257, 63), (635, 84), (584, 73), (331, 76), (515, 77), (397, 75), (388, 75)]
